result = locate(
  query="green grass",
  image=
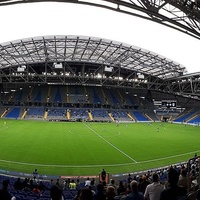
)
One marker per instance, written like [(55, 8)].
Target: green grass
[(60, 148)]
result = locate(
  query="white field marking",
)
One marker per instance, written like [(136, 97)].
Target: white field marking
[(110, 143), (91, 166)]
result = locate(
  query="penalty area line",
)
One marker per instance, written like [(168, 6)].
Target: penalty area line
[(110, 144)]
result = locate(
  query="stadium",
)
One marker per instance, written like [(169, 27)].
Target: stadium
[(72, 105)]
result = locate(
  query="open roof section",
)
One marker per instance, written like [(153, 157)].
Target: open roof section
[(68, 49)]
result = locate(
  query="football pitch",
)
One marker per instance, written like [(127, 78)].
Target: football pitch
[(84, 148)]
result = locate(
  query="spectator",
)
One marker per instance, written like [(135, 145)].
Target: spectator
[(4, 194), (88, 182), (72, 185), (121, 188), (56, 193), (18, 185), (173, 191), (67, 182), (58, 182), (36, 190), (63, 184), (77, 183), (86, 194), (129, 179), (154, 189), (184, 180), (31, 185), (110, 193), (143, 184), (135, 194), (93, 191), (77, 196), (26, 184), (41, 186), (93, 185), (100, 194), (112, 183)]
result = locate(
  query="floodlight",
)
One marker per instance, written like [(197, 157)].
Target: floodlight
[(57, 65)]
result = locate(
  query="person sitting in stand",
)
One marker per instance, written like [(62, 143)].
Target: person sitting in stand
[(184, 179), (129, 179), (121, 189), (110, 193), (173, 191), (4, 194), (86, 194), (18, 185), (56, 193), (100, 193), (135, 194), (143, 184), (72, 185), (88, 182), (153, 190)]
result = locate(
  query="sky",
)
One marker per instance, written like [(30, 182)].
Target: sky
[(44, 19)]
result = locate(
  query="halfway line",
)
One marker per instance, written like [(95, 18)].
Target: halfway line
[(110, 143)]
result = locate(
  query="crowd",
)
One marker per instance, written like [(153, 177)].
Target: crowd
[(176, 184), (173, 183)]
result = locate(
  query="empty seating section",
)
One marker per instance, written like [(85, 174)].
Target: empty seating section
[(57, 97), (58, 113), (115, 100), (13, 113), (79, 114), (196, 120), (63, 94), (56, 94), (79, 98), (131, 100), (101, 115), (37, 94), (184, 117), (26, 95), (76, 90), (171, 112), (38, 97), (120, 104), (106, 96), (35, 112), (120, 115), (75, 96), (140, 117), (6, 97), (96, 98), (19, 96)]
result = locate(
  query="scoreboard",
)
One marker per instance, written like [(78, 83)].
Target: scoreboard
[(169, 104)]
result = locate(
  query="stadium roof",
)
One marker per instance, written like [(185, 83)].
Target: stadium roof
[(81, 49)]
